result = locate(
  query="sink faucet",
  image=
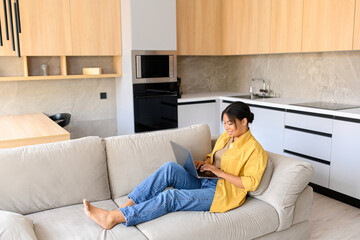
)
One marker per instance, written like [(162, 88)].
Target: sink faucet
[(262, 90)]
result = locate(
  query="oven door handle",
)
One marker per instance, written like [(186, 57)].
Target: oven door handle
[(155, 95)]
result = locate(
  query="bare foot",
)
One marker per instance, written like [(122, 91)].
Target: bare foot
[(106, 219)]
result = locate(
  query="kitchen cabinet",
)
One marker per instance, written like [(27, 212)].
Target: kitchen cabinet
[(308, 137), (45, 28), (268, 128), (356, 39), (95, 27), (345, 161), (199, 27), (286, 26), (246, 27), (68, 28), (328, 25), (7, 48), (190, 113), (220, 27)]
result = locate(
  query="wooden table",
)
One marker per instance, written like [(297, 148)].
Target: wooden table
[(29, 129)]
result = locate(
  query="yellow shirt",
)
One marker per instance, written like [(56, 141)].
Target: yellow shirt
[(244, 158)]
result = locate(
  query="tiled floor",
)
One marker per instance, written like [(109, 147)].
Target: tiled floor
[(333, 220)]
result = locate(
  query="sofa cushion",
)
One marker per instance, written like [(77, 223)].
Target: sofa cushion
[(252, 219), (15, 226), (265, 180), (45, 176), (290, 177), (132, 158), (71, 223)]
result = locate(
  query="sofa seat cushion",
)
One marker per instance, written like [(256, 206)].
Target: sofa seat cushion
[(252, 219), (15, 226), (71, 223)]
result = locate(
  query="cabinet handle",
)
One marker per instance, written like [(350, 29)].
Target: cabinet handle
[(18, 14), (11, 26), (0, 35), (17, 22), (6, 21)]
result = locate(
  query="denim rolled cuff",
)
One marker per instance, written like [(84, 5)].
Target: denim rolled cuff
[(125, 213)]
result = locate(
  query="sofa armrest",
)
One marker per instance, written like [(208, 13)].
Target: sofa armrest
[(16, 226), (303, 206)]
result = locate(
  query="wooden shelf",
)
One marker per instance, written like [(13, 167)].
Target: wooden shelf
[(62, 71), (56, 77)]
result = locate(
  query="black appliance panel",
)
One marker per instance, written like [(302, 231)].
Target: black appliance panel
[(155, 106), (155, 66)]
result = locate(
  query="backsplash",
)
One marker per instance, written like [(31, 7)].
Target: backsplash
[(203, 74), (331, 77), (90, 115)]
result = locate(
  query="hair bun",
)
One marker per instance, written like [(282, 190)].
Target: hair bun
[(251, 118)]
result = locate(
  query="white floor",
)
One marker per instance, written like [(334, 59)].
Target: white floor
[(333, 220)]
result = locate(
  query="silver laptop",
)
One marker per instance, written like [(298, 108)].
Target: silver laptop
[(184, 158)]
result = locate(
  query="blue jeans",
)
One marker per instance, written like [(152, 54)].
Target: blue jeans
[(151, 201)]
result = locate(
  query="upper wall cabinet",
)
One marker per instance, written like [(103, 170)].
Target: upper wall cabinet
[(7, 48), (246, 26), (286, 26), (95, 27), (199, 27), (45, 28), (356, 40), (63, 28), (328, 25)]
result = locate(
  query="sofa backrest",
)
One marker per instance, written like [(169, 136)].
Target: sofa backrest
[(289, 178), (41, 177), (132, 158)]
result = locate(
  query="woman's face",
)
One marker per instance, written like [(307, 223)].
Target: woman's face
[(235, 131)]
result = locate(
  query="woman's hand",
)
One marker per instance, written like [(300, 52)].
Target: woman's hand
[(198, 163), (211, 168)]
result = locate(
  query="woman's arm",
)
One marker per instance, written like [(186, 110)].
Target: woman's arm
[(236, 180)]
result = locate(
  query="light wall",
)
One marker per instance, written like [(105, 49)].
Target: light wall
[(333, 76)]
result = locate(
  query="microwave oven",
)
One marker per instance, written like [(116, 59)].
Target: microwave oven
[(153, 66)]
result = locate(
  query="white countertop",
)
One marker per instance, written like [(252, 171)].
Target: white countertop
[(269, 102)]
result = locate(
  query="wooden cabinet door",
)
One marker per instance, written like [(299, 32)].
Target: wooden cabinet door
[(6, 49), (199, 27), (356, 39), (247, 26), (328, 25), (286, 26), (95, 27), (45, 27)]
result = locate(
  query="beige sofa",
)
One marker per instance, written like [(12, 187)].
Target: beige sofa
[(42, 188)]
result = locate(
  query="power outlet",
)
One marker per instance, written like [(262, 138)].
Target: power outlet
[(103, 95)]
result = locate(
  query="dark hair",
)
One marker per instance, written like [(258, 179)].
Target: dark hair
[(238, 110)]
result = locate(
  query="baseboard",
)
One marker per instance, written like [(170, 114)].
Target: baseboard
[(336, 195)]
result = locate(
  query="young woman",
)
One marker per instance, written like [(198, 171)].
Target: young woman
[(237, 158)]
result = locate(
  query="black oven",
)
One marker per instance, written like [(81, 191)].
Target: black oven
[(155, 106)]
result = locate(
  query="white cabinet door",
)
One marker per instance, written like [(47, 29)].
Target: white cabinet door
[(268, 128), (345, 158), (199, 112)]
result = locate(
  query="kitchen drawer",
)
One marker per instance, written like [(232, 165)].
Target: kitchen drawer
[(321, 171), (312, 145), (314, 123)]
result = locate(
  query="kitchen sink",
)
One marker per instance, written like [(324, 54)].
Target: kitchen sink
[(254, 96)]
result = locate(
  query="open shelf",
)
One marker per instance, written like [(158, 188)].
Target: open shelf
[(62, 67)]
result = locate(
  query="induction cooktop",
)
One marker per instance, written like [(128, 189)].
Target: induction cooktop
[(326, 105)]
